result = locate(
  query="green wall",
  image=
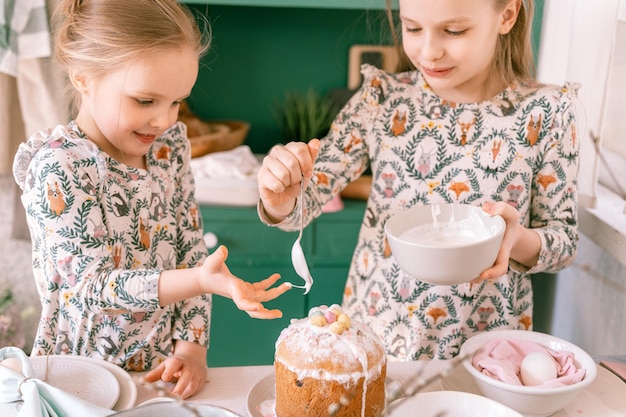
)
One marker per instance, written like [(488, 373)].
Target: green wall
[(259, 53)]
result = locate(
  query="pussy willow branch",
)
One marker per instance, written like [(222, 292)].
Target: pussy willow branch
[(398, 392), (413, 386)]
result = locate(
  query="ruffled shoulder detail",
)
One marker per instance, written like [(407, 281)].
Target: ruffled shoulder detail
[(173, 145), (50, 144)]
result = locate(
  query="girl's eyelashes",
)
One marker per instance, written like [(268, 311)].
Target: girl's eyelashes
[(411, 30), (414, 29), (455, 32), (149, 102), (144, 102)]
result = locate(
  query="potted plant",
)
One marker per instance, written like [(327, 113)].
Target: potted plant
[(304, 116)]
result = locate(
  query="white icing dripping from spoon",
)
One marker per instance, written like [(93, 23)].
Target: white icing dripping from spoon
[(297, 255)]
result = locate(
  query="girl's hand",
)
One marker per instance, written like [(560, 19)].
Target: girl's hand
[(511, 236), (216, 278), (187, 367), (280, 174)]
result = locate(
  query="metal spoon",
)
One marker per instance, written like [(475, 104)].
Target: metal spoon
[(297, 255)]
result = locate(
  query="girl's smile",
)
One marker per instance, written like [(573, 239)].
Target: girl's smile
[(148, 139), (436, 72)]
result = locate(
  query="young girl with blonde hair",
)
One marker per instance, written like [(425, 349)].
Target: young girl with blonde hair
[(118, 251), (467, 124)]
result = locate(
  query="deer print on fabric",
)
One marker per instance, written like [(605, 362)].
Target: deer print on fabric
[(465, 127), (55, 199), (197, 332)]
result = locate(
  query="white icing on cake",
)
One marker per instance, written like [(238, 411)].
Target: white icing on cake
[(315, 343)]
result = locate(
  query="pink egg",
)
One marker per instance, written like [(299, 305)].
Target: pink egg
[(330, 317)]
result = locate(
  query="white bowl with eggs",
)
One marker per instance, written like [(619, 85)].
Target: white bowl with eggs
[(531, 401), (444, 244)]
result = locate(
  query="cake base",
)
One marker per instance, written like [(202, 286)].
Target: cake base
[(313, 397)]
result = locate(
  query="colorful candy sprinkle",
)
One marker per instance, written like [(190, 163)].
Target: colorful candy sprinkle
[(343, 318), (337, 327), (319, 321)]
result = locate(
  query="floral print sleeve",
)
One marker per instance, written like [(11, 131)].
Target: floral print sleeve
[(102, 233)]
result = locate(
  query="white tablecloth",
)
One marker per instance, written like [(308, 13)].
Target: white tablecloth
[(228, 387)]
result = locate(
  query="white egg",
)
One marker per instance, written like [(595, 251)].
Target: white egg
[(537, 368)]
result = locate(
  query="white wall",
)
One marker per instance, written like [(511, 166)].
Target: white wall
[(590, 306), (590, 300)]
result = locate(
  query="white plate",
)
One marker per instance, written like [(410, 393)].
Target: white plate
[(261, 397), (86, 379), (174, 408), (603, 398), (128, 388), (450, 403)]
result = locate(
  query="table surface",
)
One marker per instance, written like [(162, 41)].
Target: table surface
[(228, 387)]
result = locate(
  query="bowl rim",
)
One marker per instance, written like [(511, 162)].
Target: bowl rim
[(499, 221), (434, 396), (590, 374)]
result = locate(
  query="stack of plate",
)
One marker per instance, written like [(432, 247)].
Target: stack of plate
[(93, 380)]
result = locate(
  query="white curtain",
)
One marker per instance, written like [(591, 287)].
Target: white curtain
[(576, 45), (31, 87)]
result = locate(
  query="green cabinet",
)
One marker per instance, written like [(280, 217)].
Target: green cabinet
[(255, 252), (313, 4)]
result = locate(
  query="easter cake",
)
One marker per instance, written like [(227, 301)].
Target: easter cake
[(327, 364)]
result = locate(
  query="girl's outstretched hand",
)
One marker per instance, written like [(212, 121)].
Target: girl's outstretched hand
[(280, 174), (247, 296), (511, 234)]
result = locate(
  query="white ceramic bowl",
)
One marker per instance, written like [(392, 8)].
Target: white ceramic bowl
[(454, 261), (528, 400), (450, 403)]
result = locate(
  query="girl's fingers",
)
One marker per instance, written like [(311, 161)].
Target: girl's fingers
[(265, 314)]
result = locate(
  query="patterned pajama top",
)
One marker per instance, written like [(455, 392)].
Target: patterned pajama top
[(520, 147), (102, 232)]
